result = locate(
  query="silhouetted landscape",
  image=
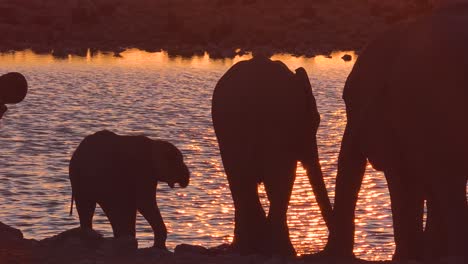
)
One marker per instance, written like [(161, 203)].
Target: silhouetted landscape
[(221, 27), (309, 131)]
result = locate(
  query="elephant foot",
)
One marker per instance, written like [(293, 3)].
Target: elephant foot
[(284, 253), (334, 251), (250, 245), (124, 245), (278, 242), (249, 249), (328, 255), (454, 260), (403, 254), (223, 249), (404, 259), (266, 248), (89, 233), (283, 249)]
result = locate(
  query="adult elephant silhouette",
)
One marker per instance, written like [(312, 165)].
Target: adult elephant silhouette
[(408, 115), (266, 119), (121, 173)]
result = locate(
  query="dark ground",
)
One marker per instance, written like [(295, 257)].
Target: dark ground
[(189, 27), (74, 246)]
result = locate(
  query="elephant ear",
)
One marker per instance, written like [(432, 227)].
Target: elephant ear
[(303, 81)]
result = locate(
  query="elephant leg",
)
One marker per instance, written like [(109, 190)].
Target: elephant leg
[(397, 204), (449, 188), (250, 219), (122, 216), (149, 209), (435, 239), (279, 180), (407, 204), (85, 208), (242, 170), (351, 168)]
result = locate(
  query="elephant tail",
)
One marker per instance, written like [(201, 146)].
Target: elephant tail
[(71, 206)]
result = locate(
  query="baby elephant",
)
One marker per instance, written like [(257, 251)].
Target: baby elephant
[(120, 173)]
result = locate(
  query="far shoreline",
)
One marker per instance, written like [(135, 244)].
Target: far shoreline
[(189, 28), (183, 51)]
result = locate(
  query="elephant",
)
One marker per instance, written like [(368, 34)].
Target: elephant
[(121, 173), (13, 89), (265, 119), (406, 104)]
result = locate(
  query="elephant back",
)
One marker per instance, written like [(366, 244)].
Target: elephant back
[(105, 162), (258, 112)]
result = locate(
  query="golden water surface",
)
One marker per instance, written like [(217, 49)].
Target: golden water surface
[(168, 98)]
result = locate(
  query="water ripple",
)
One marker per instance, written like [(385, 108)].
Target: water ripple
[(151, 94)]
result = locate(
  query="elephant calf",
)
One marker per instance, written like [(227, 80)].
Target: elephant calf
[(120, 173)]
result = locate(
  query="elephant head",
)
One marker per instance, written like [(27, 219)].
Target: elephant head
[(169, 164), (13, 89)]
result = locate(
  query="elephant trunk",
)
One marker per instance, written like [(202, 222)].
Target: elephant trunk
[(314, 173), (308, 147), (71, 205)]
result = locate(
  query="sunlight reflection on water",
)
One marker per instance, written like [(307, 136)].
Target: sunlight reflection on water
[(168, 98)]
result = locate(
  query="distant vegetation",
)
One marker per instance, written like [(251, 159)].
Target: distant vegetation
[(193, 26)]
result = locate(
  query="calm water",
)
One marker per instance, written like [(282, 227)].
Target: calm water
[(167, 98)]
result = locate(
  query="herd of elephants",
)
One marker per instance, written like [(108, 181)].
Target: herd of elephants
[(407, 114)]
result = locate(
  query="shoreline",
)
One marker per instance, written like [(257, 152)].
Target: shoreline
[(183, 51), (76, 246)]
